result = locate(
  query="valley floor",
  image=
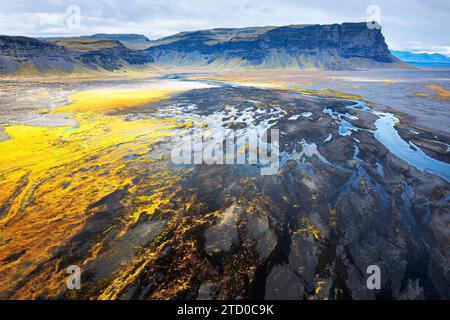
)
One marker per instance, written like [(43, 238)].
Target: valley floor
[(86, 179)]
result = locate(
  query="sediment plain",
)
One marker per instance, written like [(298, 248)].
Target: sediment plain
[(86, 179)]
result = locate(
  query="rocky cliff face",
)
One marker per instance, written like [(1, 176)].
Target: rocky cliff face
[(337, 46), (104, 53), (132, 41), (17, 53)]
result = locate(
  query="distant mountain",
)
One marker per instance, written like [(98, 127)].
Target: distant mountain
[(86, 44), (130, 40), (65, 55), (128, 37), (423, 59), (104, 53), (346, 46)]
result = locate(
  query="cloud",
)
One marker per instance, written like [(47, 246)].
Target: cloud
[(424, 23)]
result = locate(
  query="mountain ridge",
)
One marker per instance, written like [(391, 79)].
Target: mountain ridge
[(346, 46), (130, 40), (435, 60), (18, 53)]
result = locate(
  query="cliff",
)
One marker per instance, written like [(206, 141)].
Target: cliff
[(65, 55), (337, 46)]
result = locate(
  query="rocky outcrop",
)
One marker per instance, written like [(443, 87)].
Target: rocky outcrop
[(18, 53), (104, 53)]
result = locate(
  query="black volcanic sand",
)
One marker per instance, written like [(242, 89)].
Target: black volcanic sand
[(310, 231)]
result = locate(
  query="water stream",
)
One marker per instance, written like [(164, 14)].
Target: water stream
[(385, 131)]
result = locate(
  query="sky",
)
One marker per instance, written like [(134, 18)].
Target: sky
[(414, 25)]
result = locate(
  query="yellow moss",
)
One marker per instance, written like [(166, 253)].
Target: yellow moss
[(442, 93), (399, 117), (184, 262), (309, 228), (324, 92), (104, 101), (51, 176), (42, 111), (319, 287)]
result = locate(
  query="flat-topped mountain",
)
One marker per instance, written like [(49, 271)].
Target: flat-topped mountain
[(347, 46), (336, 46), (129, 40), (86, 44), (127, 37)]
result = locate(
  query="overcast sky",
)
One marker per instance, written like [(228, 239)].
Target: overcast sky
[(412, 24)]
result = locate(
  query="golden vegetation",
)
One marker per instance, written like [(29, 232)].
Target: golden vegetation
[(439, 92), (107, 101), (86, 44), (50, 177), (442, 93)]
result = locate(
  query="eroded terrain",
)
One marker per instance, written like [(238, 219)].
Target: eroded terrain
[(87, 180)]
